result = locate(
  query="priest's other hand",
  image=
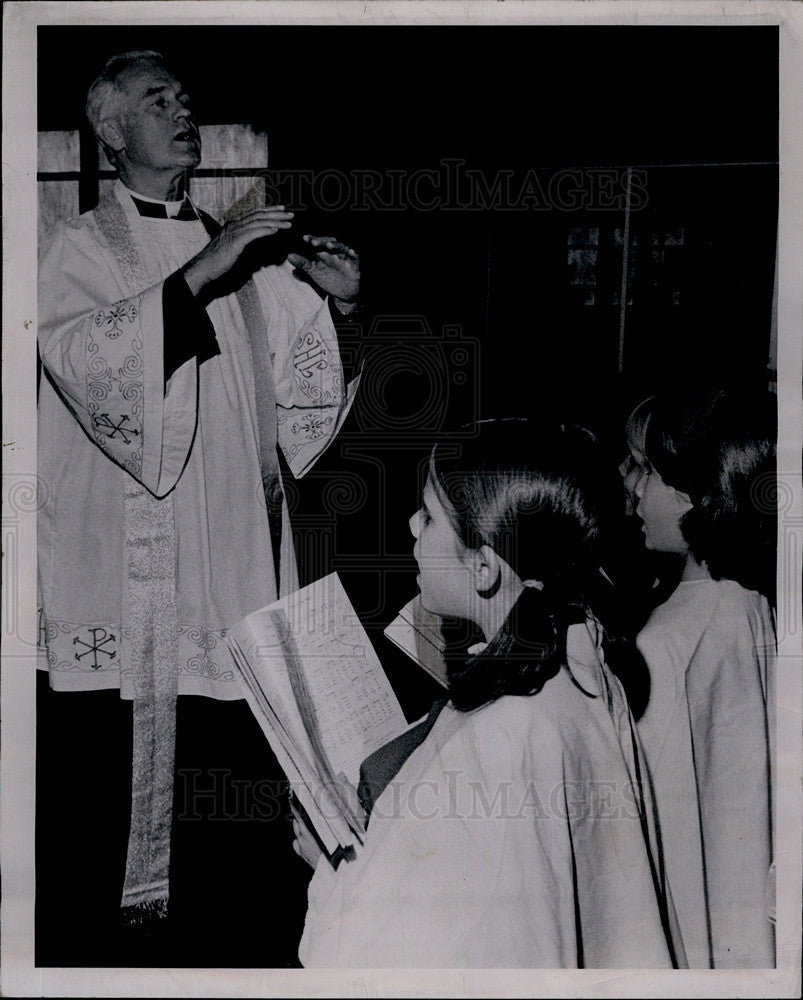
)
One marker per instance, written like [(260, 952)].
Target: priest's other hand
[(334, 268), (222, 253)]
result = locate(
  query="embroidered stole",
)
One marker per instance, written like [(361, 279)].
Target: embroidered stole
[(150, 548)]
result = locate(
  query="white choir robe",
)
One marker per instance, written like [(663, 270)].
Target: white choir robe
[(517, 835), (708, 736), (192, 442)]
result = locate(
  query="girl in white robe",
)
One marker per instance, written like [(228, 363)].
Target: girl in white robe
[(518, 833), (705, 494)]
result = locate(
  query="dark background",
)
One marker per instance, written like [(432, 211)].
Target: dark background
[(478, 312)]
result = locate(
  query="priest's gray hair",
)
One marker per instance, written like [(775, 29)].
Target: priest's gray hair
[(105, 89)]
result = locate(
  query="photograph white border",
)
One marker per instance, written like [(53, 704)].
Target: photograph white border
[(17, 784)]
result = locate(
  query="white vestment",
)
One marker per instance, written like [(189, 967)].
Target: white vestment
[(517, 835), (193, 443), (708, 736)]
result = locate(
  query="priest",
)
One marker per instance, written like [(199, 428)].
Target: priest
[(175, 368)]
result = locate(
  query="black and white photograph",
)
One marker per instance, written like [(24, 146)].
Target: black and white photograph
[(402, 517)]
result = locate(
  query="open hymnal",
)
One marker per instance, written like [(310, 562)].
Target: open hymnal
[(320, 695), (418, 633)]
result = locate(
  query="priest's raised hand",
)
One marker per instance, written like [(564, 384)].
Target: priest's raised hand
[(223, 252), (333, 267)]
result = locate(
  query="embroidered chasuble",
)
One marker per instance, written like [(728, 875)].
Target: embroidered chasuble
[(192, 442), (154, 536)]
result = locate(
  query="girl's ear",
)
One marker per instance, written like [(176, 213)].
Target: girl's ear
[(485, 566)]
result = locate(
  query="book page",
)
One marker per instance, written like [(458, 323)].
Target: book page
[(286, 734), (417, 632), (262, 663), (356, 710)]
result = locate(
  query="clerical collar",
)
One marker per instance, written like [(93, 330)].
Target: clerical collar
[(152, 208)]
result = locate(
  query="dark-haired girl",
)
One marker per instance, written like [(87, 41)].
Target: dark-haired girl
[(706, 494), (517, 833)]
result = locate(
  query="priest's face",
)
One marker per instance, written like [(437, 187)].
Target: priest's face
[(155, 120)]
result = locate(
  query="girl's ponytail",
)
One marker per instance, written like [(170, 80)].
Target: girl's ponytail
[(540, 495), (525, 653)]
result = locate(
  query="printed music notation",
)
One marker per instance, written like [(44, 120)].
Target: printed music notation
[(355, 707)]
